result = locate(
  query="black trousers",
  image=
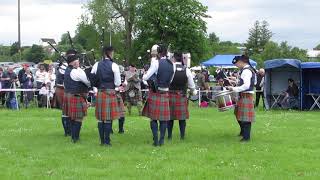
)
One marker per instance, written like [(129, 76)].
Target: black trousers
[(258, 95)]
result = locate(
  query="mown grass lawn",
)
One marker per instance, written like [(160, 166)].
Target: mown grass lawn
[(284, 145)]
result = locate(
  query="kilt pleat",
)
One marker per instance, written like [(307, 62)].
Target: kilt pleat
[(109, 105), (178, 105), (74, 106), (59, 94), (157, 106), (244, 111)]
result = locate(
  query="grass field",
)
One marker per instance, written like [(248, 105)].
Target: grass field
[(284, 145)]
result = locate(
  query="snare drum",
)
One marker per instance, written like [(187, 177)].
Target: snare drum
[(224, 100)]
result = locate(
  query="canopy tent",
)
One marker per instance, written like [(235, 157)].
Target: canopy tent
[(224, 61), (310, 85), (278, 71)]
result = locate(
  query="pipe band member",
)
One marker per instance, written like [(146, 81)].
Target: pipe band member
[(59, 94), (157, 106), (76, 86), (244, 110), (182, 80), (109, 104), (133, 89)]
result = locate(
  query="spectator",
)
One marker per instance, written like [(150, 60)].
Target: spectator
[(20, 74), (259, 87), (2, 94), (290, 98), (41, 75), (9, 79), (45, 94), (51, 77), (27, 83)]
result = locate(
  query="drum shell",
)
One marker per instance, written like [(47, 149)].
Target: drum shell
[(224, 100)]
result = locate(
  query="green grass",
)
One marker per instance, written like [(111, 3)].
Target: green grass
[(284, 145)]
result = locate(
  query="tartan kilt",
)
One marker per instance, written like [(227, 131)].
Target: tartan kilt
[(109, 105), (157, 106), (136, 99), (74, 106), (178, 105), (59, 95), (244, 110)]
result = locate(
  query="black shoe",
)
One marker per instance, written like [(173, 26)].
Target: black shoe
[(121, 132), (182, 138)]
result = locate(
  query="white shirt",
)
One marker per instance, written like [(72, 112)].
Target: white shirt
[(79, 75), (116, 72), (41, 76), (246, 77), (154, 66), (191, 84)]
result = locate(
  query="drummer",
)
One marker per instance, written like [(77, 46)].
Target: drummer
[(244, 110)]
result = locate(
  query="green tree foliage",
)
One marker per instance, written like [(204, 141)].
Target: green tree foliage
[(179, 24), (14, 48), (5, 53), (317, 47), (259, 36), (283, 51), (35, 54)]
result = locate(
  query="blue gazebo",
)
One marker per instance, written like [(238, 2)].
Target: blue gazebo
[(310, 86), (224, 61)]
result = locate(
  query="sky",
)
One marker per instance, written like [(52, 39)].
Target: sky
[(294, 21)]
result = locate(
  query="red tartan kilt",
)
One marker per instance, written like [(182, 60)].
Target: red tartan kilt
[(59, 94), (109, 105), (244, 110), (157, 106), (178, 106), (74, 106)]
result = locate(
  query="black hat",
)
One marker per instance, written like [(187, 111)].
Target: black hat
[(242, 58), (108, 49), (71, 52), (71, 58)]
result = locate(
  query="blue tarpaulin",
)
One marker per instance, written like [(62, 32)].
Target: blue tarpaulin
[(275, 63), (278, 71), (224, 61), (310, 83)]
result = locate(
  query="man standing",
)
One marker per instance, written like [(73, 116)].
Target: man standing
[(133, 89), (9, 79), (244, 110), (259, 87), (76, 86), (59, 93), (20, 75), (109, 104), (182, 80), (157, 107)]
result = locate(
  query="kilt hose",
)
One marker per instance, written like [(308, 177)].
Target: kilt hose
[(134, 101), (157, 106), (59, 94), (244, 110), (109, 105), (178, 105), (75, 106)]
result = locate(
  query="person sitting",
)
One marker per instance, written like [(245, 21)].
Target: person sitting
[(9, 80), (46, 95), (290, 98)]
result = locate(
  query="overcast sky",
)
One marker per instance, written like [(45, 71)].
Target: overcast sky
[(295, 21)]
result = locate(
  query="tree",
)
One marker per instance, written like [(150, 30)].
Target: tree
[(179, 24), (35, 54), (14, 48), (317, 47), (259, 36), (213, 38)]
